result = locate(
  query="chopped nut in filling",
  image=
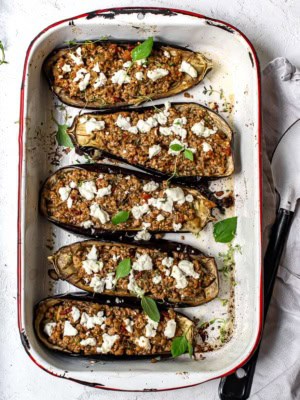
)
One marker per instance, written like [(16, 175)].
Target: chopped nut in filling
[(91, 328), (182, 138), (82, 198)]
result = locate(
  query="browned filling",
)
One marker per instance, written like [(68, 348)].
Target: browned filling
[(67, 201), (109, 330)]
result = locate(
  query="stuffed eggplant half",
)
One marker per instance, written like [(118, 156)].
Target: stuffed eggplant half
[(167, 271), (90, 328), (185, 138), (93, 199), (103, 75)]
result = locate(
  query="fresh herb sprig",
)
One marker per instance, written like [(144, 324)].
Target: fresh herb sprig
[(181, 345), (188, 154), (120, 217), (123, 268), (2, 60), (225, 230), (150, 308), (143, 50), (62, 137)]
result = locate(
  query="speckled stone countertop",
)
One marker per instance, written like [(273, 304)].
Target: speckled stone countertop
[(274, 29)]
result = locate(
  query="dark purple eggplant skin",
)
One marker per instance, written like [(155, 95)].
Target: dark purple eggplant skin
[(163, 245), (190, 181), (156, 45), (83, 296), (118, 234)]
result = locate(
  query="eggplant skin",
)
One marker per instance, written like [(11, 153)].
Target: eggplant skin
[(196, 59), (41, 308), (69, 272), (85, 143), (203, 204)]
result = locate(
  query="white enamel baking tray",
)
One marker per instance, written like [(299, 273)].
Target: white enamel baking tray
[(236, 71)]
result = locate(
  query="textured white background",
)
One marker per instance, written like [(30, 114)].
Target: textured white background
[(274, 29)]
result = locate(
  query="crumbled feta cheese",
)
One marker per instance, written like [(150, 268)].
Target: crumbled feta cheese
[(160, 218), (105, 191), (162, 119), (133, 129), (167, 272), (142, 62), (108, 342), (96, 68), (180, 121), (143, 126), (93, 125), (206, 147), (72, 185), (127, 64), (177, 227), (139, 211), (64, 192), (133, 286), (90, 322), (142, 235), (168, 261), (66, 68), (83, 119), (49, 327), (88, 189), (100, 80), (139, 76), (154, 150), (123, 123), (91, 266), (80, 74), (189, 198), (188, 69), (200, 129), (84, 83), (88, 342), (142, 263), (170, 329), (110, 281), (115, 257), (167, 54), (165, 130), (157, 73), (178, 275), (175, 194), (97, 212), (143, 342), (87, 224), (176, 152), (161, 204), (151, 328), (156, 279), (129, 324), (152, 122), (178, 130), (150, 186), (146, 225), (75, 314), (120, 77), (77, 59), (69, 330), (167, 105), (92, 254), (188, 268), (97, 284)]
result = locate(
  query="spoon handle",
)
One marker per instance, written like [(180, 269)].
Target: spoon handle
[(237, 386)]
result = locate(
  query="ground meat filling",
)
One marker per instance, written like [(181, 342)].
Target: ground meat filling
[(175, 276), (92, 200), (91, 328), (147, 138), (105, 73)]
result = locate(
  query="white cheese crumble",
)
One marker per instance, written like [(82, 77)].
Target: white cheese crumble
[(64, 192), (97, 212), (142, 235), (150, 186), (84, 83), (92, 254), (96, 68), (123, 122), (110, 281), (170, 329), (162, 119), (146, 126), (72, 185), (199, 129), (206, 147), (105, 191), (143, 342), (154, 150), (49, 327), (188, 268), (188, 69), (88, 342), (142, 263), (108, 342), (75, 314), (100, 80), (139, 76), (93, 125), (167, 54), (165, 130), (90, 322), (151, 328), (127, 64), (97, 284), (146, 225), (92, 266), (177, 227), (160, 218), (189, 198), (139, 211), (142, 62), (88, 189), (87, 224), (120, 77), (168, 261), (66, 68), (175, 194), (69, 202), (69, 330), (156, 279), (133, 286), (157, 73), (129, 324), (77, 59), (178, 275), (161, 204)]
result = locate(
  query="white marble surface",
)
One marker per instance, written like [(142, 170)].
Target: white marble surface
[(274, 29)]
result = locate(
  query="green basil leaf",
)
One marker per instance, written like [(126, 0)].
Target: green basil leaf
[(150, 308), (143, 50), (63, 139), (224, 231), (189, 154), (190, 349), (179, 346), (176, 147), (123, 268), (120, 217)]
